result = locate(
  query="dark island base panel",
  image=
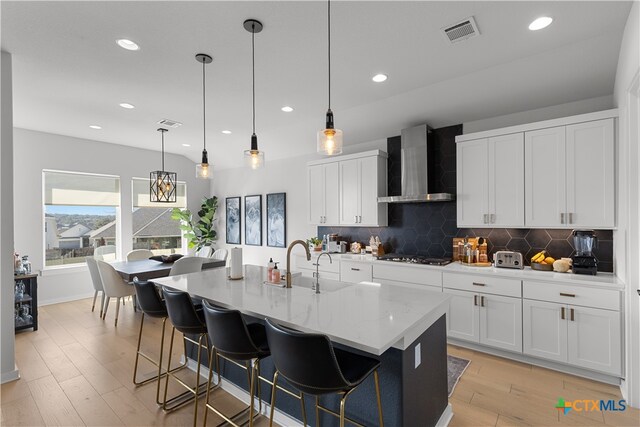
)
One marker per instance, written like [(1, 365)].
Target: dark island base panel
[(410, 396)]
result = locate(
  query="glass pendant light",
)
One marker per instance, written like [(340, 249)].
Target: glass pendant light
[(162, 184), (330, 138), (203, 169), (253, 157)]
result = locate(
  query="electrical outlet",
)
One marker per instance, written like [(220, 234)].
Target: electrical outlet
[(418, 356)]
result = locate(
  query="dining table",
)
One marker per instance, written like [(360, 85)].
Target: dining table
[(147, 269)]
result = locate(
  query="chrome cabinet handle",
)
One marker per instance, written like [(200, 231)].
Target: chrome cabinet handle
[(570, 217), (478, 284), (562, 294), (493, 218), (571, 313), (360, 221), (314, 263), (355, 269), (561, 217), (355, 218), (484, 218), (562, 313), (475, 300), (482, 301)]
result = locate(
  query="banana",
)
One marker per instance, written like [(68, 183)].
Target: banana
[(540, 256)]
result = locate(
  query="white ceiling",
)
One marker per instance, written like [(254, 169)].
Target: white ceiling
[(69, 73)]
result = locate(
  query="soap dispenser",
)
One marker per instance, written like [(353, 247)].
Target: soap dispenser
[(275, 274)]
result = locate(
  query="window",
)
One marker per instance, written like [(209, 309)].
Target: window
[(152, 226), (80, 216)]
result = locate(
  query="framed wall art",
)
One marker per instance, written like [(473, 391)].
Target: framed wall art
[(253, 220), (233, 218), (277, 220)]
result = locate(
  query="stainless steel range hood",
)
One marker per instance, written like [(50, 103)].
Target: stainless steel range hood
[(414, 160)]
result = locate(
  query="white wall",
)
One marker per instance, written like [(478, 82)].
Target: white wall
[(286, 175), (8, 369), (552, 112), (35, 151), (628, 234)]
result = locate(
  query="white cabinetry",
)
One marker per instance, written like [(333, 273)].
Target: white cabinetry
[(569, 179), (490, 178), (414, 276), (553, 174), (362, 181), (323, 194), (325, 268), (587, 337), (355, 272), (345, 190), (485, 317)]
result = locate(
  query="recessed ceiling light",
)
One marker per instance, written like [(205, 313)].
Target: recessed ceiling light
[(186, 145), (379, 78), (127, 105), (540, 23), (287, 109), (226, 132), (95, 127), (127, 44)]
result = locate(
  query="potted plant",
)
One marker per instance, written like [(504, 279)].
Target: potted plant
[(198, 233), (316, 243)]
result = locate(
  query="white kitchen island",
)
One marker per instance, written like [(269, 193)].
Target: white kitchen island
[(404, 327)]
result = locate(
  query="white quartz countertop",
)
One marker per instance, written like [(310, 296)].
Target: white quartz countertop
[(603, 280), (370, 317)]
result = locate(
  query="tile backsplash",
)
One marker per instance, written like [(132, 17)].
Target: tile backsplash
[(428, 228)]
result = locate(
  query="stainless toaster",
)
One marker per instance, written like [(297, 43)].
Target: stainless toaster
[(508, 259)]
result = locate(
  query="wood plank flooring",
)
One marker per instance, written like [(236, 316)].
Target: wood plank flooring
[(76, 370)]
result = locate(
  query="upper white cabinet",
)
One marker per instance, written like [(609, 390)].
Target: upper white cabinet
[(345, 190), (570, 176), (323, 193), (553, 174), (490, 178)]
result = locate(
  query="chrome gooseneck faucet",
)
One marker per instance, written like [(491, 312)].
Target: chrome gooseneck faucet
[(306, 248), (317, 267)]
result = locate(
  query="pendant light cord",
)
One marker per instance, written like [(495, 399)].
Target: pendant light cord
[(204, 108), (253, 72), (329, 46), (162, 132)]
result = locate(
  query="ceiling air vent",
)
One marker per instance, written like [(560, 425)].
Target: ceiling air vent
[(169, 123), (460, 31)]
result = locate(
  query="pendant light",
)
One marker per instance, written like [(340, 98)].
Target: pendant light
[(203, 169), (330, 138), (163, 184), (253, 157)]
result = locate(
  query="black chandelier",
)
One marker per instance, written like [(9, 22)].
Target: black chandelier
[(162, 184)]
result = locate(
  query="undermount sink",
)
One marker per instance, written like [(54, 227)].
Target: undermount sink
[(325, 284)]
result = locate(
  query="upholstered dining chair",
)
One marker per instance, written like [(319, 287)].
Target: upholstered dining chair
[(205, 252), (186, 265), (97, 282), (220, 254), (139, 254), (114, 287)]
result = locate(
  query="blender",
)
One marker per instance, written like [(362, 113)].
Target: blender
[(584, 262)]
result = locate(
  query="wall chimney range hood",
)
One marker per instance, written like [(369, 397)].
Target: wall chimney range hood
[(414, 161)]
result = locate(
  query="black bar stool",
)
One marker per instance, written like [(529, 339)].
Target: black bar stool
[(311, 364), (152, 305), (236, 342), (188, 320)]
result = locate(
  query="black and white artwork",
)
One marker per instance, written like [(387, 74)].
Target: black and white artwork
[(277, 220), (233, 220), (253, 220)]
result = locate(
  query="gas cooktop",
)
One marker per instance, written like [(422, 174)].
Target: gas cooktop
[(415, 259)]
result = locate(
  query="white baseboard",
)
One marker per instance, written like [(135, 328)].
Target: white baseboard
[(281, 418), (64, 299), (446, 416), (10, 376)]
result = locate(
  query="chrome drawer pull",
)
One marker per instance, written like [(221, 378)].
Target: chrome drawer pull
[(355, 269), (317, 264), (478, 284), (562, 294)]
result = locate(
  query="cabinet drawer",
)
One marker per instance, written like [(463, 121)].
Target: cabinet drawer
[(408, 274), (484, 284), (325, 264), (322, 274), (355, 272), (570, 294)]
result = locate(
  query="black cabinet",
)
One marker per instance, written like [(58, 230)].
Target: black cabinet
[(26, 301)]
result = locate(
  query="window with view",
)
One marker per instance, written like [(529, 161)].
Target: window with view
[(152, 226), (79, 211)]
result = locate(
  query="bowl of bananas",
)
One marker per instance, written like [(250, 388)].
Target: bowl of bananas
[(542, 261)]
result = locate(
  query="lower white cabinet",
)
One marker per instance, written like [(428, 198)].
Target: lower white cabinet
[(491, 320), (355, 272), (586, 337)]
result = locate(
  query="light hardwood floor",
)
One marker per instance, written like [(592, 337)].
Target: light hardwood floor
[(76, 370)]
